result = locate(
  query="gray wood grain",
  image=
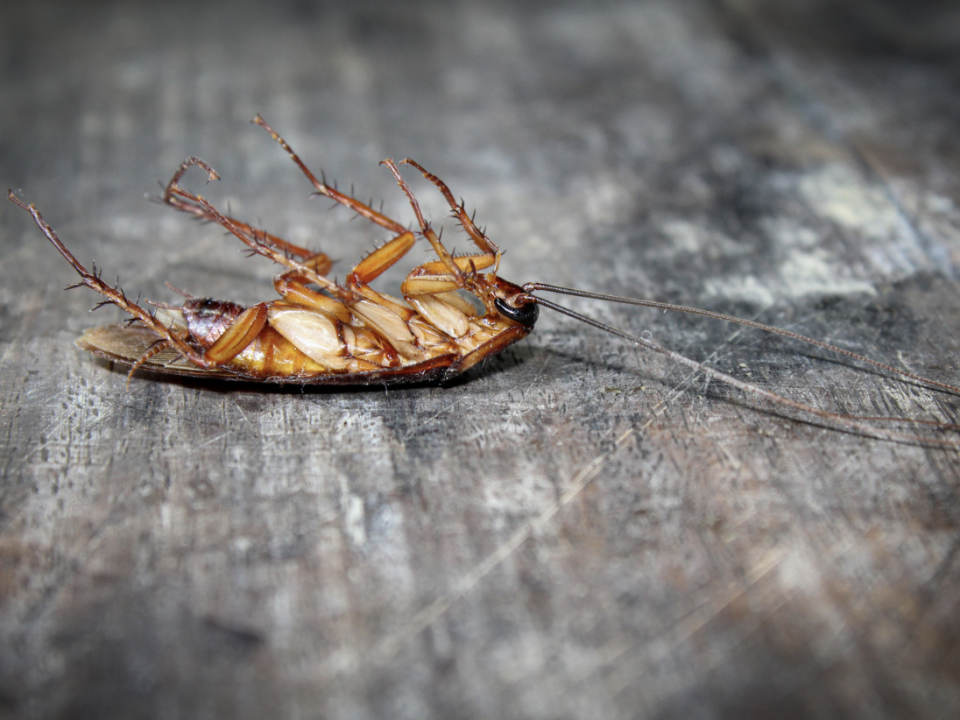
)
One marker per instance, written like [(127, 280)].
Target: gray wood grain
[(577, 529)]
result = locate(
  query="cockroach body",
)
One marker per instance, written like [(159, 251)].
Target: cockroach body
[(349, 334)]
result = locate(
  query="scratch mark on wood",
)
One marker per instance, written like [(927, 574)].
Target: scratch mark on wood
[(391, 644), (625, 676)]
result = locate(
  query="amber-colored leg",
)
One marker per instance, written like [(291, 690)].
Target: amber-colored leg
[(332, 193), (114, 295), (482, 241), (301, 269), (237, 337), (174, 197), (454, 273), (293, 289), (449, 272), (381, 259), (310, 270)]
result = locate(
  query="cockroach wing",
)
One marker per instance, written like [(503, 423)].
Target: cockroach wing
[(126, 345)]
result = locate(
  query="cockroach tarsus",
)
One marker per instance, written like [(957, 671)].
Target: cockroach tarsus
[(322, 331)]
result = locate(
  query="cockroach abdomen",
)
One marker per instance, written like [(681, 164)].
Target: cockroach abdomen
[(207, 319)]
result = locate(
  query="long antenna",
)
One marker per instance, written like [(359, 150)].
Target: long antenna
[(532, 287), (859, 423)]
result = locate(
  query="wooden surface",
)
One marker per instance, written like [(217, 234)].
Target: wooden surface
[(576, 530)]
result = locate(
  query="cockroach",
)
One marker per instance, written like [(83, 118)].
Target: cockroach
[(323, 332)]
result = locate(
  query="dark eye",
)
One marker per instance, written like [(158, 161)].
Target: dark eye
[(526, 314)]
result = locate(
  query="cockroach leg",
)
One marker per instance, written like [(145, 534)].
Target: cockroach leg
[(445, 257), (381, 259), (182, 170), (176, 197), (459, 211), (387, 255), (155, 349), (241, 332), (112, 294), (238, 335), (330, 192), (266, 249)]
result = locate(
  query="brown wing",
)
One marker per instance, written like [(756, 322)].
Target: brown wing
[(125, 345)]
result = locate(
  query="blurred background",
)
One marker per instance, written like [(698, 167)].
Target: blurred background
[(572, 532)]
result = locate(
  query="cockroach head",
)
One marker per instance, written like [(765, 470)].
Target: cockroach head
[(513, 302)]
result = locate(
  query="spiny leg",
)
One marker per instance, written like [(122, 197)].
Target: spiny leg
[(371, 266), (456, 275), (293, 289), (387, 255), (155, 349), (302, 269), (173, 196), (114, 295), (241, 332), (262, 243), (449, 273), (482, 241), (321, 262), (292, 284), (332, 193)]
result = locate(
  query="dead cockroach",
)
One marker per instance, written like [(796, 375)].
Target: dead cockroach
[(350, 334)]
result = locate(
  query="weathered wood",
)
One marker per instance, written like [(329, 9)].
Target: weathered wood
[(575, 530)]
